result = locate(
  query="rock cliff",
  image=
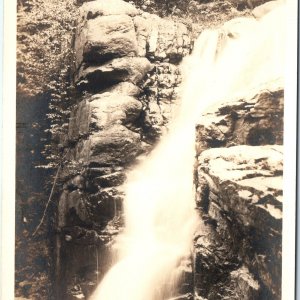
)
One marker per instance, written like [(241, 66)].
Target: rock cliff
[(126, 69), (118, 43), (238, 178)]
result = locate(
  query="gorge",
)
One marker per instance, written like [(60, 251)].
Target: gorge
[(171, 184)]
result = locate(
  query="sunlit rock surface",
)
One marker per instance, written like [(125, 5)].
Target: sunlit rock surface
[(253, 120), (239, 196)]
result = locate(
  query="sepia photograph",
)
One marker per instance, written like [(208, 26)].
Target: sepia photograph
[(154, 148)]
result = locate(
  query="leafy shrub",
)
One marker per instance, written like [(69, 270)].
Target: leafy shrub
[(44, 59)]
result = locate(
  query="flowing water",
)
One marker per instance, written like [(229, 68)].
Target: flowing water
[(159, 205)]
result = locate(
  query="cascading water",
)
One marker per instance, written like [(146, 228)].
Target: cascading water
[(159, 204)]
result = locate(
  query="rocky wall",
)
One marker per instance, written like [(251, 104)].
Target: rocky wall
[(238, 179), (116, 42), (126, 71)]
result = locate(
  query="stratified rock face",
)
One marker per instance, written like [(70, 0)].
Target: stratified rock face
[(103, 141), (116, 43), (239, 196), (126, 66), (254, 120)]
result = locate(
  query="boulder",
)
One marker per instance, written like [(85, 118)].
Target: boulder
[(116, 145), (97, 78), (105, 38), (109, 109), (125, 143), (101, 111)]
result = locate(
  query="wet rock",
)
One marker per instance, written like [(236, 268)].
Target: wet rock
[(161, 101), (97, 78), (218, 273), (214, 259), (185, 279), (83, 265)]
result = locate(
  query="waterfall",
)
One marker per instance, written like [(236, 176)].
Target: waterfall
[(159, 206)]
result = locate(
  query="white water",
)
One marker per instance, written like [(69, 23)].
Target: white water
[(159, 206)]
